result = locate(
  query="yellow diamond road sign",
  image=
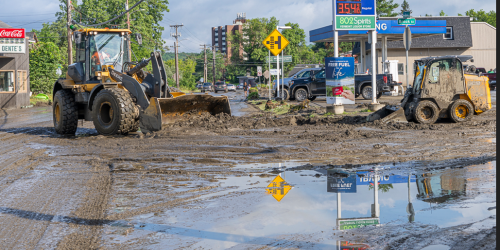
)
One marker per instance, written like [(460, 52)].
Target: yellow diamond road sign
[(278, 188), (275, 42)]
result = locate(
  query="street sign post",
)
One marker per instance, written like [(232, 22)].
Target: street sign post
[(406, 21), (259, 70), (276, 43), (407, 44), (406, 14), (273, 59)]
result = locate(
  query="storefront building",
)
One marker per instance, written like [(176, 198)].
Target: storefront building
[(14, 68)]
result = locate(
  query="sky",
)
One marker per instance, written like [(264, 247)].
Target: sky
[(199, 16)]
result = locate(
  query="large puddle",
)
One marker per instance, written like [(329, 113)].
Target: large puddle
[(294, 207)]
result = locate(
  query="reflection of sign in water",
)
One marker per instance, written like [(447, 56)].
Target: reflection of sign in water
[(340, 182), (339, 80), (351, 223), (368, 179), (346, 245), (278, 188)]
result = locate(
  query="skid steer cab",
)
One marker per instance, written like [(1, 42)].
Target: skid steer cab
[(119, 96), (441, 89)]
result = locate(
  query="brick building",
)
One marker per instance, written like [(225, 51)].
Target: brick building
[(219, 35)]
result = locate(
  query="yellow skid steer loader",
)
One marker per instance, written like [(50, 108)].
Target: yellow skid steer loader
[(441, 89), (119, 96)]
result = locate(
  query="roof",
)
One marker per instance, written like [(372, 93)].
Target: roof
[(4, 25), (462, 58), (462, 36)]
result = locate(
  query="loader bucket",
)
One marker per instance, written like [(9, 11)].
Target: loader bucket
[(168, 110), (387, 114), (185, 106)]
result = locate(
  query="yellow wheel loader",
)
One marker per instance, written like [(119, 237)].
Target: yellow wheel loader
[(441, 89), (119, 96)]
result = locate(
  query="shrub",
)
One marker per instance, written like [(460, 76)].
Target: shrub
[(253, 96)]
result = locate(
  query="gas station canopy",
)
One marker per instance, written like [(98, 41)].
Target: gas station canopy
[(386, 27)]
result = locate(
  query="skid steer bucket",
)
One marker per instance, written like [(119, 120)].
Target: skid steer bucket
[(389, 113), (169, 110)]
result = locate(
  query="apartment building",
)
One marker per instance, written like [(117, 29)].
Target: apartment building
[(219, 35)]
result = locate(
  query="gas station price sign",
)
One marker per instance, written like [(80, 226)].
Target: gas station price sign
[(354, 14), (348, 7)]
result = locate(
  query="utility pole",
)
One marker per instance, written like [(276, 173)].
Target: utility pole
[(213, 66), (176, 45), (128, 40), (70, 46), (205, 71)]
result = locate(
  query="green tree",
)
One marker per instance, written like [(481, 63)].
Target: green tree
[(483, 16), (44, 60), (384, 188), (186, 69), (442, 13), (145, 19), (387, 7), (405, 6)]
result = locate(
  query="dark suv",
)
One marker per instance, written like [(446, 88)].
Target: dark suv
[(220, 86), (315, 85)]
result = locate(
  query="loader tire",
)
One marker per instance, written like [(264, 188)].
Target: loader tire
[(461, 111), (426, 112), (65, 112), (114, 112)]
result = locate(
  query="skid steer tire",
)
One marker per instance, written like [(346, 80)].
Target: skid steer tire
[(461, 111), (114, 112), (426, 112), (65, 112)]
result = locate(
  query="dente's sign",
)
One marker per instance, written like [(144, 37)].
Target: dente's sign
[(12, 41)]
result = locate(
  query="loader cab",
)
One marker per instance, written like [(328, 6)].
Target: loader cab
[(97, 49), (438, 78)]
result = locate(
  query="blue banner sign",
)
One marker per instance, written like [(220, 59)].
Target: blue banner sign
[(339, 80)]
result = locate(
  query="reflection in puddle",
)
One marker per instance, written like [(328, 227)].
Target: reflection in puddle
[(312, 208)]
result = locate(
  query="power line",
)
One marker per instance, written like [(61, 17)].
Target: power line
[(30, 15), (112, 19)]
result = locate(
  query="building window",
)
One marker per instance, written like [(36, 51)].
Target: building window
[(223, 43), (449, 33), (223, 33), (7, 81), (22, 81), (223, 38), (223, 48), (401, 69), (216, 39), (216, 34)]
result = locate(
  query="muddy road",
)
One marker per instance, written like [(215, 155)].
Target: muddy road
[(202, 184)]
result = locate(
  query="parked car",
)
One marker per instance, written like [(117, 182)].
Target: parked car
[(207, 87), (305, 73), (314, 86), (240, 87), (220, 86), (492, 77), (231, 87), (198, 86)]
